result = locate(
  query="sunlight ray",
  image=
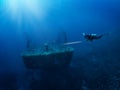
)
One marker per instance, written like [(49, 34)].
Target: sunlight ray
[(18, 10)]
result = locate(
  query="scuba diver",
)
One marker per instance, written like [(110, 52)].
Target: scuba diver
[(91, 37)]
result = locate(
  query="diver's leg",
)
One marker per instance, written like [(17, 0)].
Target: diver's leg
[(99, 37)]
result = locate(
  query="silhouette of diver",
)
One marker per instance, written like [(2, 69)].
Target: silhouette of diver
[(91, 37)]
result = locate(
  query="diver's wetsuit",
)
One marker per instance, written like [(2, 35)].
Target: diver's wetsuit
[(91, 37)]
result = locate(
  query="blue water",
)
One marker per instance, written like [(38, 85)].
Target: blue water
[(94, 66)]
